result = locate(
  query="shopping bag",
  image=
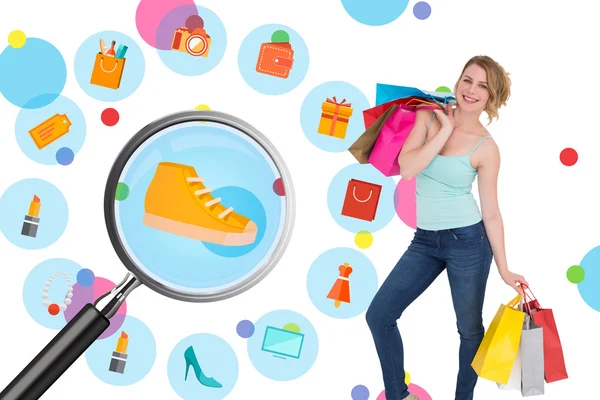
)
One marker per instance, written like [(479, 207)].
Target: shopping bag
[(498, 350), (107, 71), (385, 93), (532, 358), (361, 200), (514, 381), (392, 137), (371, 115), (361, 148), (554, 361)]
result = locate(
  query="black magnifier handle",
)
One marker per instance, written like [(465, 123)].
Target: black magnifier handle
[(69, 344)]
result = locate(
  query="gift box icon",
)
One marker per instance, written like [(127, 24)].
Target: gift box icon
[(334, 118)]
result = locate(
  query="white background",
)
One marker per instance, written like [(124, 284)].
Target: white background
[(550, 211)]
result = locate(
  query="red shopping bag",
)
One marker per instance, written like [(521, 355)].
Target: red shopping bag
[(362, 199), (411, 103), (554, 360)]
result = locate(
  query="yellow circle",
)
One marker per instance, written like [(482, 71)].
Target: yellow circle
[(17, 39), (202, 107), (363, 239), (407, 378)]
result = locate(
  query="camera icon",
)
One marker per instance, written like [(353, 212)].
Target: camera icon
[(195, 42)]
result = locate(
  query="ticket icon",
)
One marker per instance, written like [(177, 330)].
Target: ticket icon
[(50, 130)]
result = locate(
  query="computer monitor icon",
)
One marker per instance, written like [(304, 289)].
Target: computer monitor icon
[(282, 343)]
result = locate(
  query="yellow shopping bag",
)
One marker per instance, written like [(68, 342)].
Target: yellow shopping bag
[(498, 349)]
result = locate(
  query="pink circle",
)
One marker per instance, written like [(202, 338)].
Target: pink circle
[(83, 295), (413, 389), (149, 16), (405, 202)]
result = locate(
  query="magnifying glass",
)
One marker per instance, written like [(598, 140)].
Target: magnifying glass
[(199, 207)]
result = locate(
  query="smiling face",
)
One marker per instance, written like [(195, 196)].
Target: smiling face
[(472, 89)]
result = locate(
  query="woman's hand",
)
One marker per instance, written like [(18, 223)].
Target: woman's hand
[(511, 279), (446, 117)]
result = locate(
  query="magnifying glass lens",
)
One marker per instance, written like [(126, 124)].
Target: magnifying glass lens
[(199, 210)]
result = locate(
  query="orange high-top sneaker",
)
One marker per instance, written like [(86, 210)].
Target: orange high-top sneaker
[(178, 202)]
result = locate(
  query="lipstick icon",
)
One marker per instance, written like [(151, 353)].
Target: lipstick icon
[(119, 356), (31, 222)]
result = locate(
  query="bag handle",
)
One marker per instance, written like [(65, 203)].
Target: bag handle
[(108, 72), (361, 201), (515, 301), (532, 297)]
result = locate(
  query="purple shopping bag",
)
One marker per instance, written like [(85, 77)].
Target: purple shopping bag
[(394, 133)]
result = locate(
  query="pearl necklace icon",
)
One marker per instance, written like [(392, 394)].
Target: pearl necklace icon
[(53, 308)]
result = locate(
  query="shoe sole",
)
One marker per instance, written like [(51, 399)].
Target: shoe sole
[(200, 233)]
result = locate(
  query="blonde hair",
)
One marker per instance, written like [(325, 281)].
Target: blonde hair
[(498, 84)]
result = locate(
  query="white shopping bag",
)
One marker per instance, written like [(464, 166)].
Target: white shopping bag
[(514, 382)]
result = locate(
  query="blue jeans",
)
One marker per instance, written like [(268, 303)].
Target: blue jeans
[(466, 254)]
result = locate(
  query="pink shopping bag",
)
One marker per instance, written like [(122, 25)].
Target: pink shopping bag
[(394, 133)]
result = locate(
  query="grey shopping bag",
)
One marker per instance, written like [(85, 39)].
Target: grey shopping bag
[(532, 358)]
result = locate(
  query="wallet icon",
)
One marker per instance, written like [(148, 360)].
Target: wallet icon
[(276, 57)]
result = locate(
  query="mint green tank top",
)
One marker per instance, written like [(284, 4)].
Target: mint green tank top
[(444, 197)]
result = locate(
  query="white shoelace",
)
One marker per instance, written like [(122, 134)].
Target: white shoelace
[(210, 202)]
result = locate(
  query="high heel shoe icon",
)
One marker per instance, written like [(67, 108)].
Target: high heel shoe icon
[(192, 361)]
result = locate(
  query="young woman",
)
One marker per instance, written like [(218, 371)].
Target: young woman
[(445, 151)]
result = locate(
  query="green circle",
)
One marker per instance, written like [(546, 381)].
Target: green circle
[(443, 89), (291, 327), (280, 36), (575, 274), (122, 191)]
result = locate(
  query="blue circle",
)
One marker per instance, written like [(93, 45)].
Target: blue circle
[(245, 203), (341, 188), (319, 133), (250, 52), (422, 10), (230, 164), (112, 81), (216, 360), (59, 116), (35, 283), (32, 76), (245, 329), (85, 277), (323, 275), (281, 354), (140, 352), (360, 392), (375, 12), (14, 207), (185, 64), (64, 156), (588, 288)]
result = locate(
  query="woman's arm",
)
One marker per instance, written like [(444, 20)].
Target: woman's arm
[(487, 182), (416, 156)]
